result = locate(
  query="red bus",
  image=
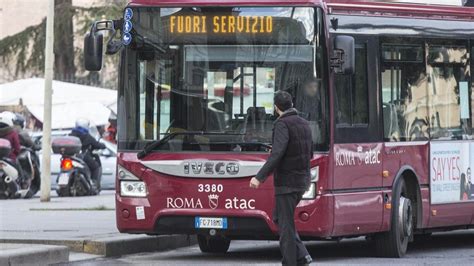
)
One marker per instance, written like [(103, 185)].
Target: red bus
[(387, 89)]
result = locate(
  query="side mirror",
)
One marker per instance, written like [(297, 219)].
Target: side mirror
[(343, 61), (93, 48), (94, 43)]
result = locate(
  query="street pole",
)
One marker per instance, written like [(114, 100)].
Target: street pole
[(48, 83)]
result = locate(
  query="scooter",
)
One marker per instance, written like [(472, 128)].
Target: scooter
[(19, 179), (30, 180), (8, 173), (74, 178)]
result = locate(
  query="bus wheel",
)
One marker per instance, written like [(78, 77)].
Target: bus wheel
[(213, 244), (394, 243)]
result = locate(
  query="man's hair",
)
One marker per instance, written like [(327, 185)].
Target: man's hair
[(283, 100)]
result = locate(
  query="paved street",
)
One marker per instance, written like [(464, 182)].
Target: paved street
[(454, 248), (61, 218), (20, 219)]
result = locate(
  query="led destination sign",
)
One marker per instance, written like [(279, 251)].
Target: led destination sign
[(220, 24)]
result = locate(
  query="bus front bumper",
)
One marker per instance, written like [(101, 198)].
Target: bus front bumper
[(138, 216)]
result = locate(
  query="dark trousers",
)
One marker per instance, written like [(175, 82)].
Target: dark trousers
[(291, 247), (93, 166)]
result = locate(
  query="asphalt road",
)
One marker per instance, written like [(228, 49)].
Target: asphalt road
[(453, 248)]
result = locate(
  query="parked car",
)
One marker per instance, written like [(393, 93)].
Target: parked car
[(108, 158)]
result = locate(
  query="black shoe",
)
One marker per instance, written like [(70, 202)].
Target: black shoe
[(304, 261), (93, 190)]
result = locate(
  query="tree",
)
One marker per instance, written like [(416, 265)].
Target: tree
[(22, 54), (64, 42)]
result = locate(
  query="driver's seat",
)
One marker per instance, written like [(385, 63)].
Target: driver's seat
[(255, 124)]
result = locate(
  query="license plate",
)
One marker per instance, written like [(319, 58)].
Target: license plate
[(210, 222), (63, 179)]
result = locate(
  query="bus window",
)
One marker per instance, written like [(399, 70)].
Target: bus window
[(213, 90), (256, 88), (449, 102), (352, 93), (154, 88), (404, 97)]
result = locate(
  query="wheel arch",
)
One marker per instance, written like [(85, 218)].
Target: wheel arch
[(408, 174)]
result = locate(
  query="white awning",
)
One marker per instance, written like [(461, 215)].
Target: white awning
[(70, 101)]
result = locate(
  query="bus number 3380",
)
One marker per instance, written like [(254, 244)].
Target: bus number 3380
[(210, 188)]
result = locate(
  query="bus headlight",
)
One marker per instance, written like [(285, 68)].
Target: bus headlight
[(123, 174), (314, 174), (133, 189), (310, 193)]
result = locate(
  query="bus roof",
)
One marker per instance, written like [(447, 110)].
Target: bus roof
[(178, 3), (371, 8), (385, 9)]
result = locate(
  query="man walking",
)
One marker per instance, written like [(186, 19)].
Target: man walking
[(290, 163)]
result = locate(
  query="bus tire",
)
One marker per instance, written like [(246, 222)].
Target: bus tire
[(213, 244), (394, 243)]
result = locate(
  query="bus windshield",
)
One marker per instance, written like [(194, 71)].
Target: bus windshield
[(215, 71)]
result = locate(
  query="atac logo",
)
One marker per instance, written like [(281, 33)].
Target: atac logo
[(210, 168), (213, 201), (361, 156)]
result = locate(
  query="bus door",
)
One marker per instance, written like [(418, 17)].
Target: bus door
[(405, 115), (358, 146)]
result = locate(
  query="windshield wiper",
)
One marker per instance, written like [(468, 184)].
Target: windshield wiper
[(240, 143), (265, 145), (157, 143)]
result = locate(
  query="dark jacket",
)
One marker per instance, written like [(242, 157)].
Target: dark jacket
[(88, 145), (25, 139), (88, 142), (292, 150), (11, 135)]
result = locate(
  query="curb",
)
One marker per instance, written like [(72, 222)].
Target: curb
[(115, 246), (118, 246), (21, 254)]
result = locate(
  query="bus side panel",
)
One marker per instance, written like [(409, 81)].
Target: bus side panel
[(357, 166), (451, 214), (425, 196), (358, 200), (357, 213), (411, 154), (320, 223)]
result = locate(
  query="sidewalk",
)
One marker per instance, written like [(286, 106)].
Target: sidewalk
[(83, 224), (32, 219)]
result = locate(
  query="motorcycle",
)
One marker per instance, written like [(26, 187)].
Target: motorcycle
[(74, 178), (30, 174), (20, 179)]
